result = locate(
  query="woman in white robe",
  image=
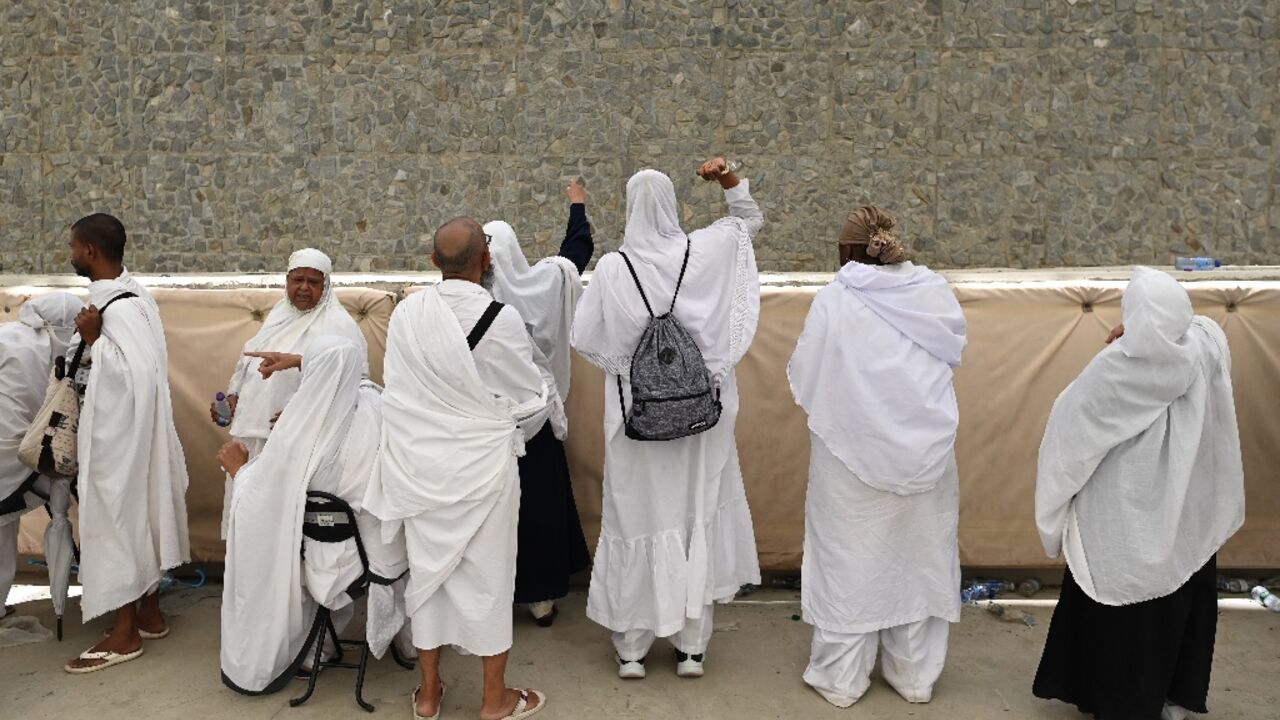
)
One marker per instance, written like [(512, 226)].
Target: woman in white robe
[(1140, 482), (873, 371), (327, 438), (676, 533), (28, 349), (306, 312)]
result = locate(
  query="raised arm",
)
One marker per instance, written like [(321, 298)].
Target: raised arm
[(578, 246), (736, 192)]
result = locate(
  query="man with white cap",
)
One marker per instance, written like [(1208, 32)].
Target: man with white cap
[(308, 310), (28, 349)]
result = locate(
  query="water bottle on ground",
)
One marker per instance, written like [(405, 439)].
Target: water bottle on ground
[(222, 409), (1008, 614), (1029, 587), (1268, 601), (982, 590), (1233, 585), (1196, 263)]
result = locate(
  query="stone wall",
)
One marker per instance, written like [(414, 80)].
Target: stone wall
[(1008, 132)]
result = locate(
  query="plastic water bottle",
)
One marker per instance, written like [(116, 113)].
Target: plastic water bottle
[(982, 590), (1268, 601), (222, 409), (1196, 263), (1233, 585), (1008, 614), (1029, 587)]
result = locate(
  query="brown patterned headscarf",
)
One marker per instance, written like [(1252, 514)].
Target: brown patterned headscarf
[(872, 229)]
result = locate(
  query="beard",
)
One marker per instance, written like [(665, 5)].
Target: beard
[(487, 278), (81, 270)]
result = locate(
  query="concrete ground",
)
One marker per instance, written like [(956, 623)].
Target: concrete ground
[(754, 667)]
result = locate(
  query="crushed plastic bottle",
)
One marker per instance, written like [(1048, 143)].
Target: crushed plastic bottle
[(982, 590), (1233, 585), (1196, 263), (1008, 614), (1029, 587), (1266, 599)]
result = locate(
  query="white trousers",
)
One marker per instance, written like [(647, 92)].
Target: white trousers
[(840, 664), (692, 639), (8, 557)]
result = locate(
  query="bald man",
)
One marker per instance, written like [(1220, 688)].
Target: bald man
[(460, 378)]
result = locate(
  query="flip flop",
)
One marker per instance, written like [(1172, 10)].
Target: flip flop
[(519, 712), (145, 635), (439, 708), (111, 658)]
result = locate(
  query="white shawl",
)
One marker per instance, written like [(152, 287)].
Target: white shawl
[(545, 295), (265, 614), (719, 302), (133, 474), (27, 350), (873, 371), (446, 438), (287, 329), (1140, 474)]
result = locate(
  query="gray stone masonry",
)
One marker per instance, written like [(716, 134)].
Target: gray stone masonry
[(1022, 133)]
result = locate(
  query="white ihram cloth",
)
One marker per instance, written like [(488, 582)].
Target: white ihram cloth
[(133, 475), (545, 294), (1140, 477), (448, 466), (676, 531), (326, 437), (28, 348), (27, 351), (873, 371), (286, 329)]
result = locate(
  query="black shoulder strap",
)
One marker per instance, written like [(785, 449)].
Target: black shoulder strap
[(636, 278), (684, 266), (482, 325), (75, 361)]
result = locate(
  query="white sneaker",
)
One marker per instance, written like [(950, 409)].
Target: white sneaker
[(630, 669), (689, 666)]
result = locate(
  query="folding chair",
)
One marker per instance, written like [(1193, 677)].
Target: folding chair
[(329, 519)]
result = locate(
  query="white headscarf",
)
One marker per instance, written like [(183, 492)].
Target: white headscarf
[(719, 302), (53, 316), (287, 329), (1140, 476), (873, 371), (265, 615), (546, 296)]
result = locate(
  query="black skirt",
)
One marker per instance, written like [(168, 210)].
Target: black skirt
[(551, 544), (1123, 663)]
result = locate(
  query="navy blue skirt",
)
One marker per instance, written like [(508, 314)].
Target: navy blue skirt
[(1123, 663)]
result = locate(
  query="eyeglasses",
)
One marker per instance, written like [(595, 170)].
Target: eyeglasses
[(488, 239)]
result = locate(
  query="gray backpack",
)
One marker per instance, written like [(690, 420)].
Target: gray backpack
[(672, 395)]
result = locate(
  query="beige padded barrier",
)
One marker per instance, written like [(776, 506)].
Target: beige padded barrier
[(1029, 335)]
